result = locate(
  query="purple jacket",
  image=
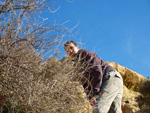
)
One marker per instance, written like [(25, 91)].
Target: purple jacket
[(93, 69)]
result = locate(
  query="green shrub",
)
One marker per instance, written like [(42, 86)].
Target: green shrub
[(144, 89)]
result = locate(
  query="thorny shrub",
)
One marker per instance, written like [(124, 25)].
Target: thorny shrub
[(45, 93)]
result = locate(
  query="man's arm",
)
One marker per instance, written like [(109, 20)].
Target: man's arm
[(95, 69)]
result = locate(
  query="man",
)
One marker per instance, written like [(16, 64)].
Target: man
[(103, 84)]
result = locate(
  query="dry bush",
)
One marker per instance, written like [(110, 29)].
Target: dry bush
[(67, 95), (27, 83), (23, 32)]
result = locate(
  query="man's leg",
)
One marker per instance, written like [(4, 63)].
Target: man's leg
[(116, 105), (110, 91)]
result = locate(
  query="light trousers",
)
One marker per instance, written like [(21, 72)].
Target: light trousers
[(109, 99)]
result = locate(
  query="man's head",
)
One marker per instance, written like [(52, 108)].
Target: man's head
[(71, 48)]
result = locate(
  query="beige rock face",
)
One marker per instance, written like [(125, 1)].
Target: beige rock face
[(129, 101)]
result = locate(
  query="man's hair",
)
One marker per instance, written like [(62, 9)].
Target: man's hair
[(69, 42)]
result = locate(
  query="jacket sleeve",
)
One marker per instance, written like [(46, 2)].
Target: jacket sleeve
[(95, 71), (96, 81)]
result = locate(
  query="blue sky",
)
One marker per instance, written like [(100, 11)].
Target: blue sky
[(117, 30)]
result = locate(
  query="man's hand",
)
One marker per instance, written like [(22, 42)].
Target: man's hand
[(93, 101)]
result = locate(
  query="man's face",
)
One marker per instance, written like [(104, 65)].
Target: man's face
[(71, 50)]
